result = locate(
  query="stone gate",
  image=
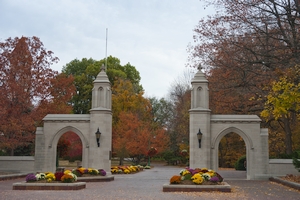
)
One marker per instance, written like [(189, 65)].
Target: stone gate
[(85, 126), (215, 127)]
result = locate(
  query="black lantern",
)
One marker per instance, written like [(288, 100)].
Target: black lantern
[(98, 134), (199, 136)]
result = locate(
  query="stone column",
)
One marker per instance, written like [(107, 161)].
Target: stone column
[(200, 119)]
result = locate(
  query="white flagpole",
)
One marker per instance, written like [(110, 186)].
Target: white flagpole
[(106, 51)]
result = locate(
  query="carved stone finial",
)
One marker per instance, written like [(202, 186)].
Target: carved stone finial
[(102, 67)]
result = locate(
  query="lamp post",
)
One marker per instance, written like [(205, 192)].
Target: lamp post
[(98, 134), (199, 136), (148, 160)]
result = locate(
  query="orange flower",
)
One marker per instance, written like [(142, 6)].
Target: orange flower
[(67, 178), (81, 169), (175, 179)]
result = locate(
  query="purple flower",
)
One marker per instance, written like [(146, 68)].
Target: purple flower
[(214, 179), (30, 177), (86, 171), (102, 172)]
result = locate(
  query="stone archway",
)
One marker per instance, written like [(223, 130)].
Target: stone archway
[(214, 127), (84, 125), (57, 136)]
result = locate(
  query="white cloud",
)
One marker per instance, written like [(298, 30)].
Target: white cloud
[(152, 35)]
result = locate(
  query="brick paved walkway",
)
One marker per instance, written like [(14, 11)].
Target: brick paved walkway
[(147, 185)]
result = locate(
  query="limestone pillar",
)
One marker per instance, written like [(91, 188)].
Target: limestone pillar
[(200, 119), (101, 117)]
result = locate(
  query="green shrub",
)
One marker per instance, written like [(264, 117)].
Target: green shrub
[(171, 158), (296, 161), (285, 156), (239, 165), (188, 176), (3, 153), (168, 155)]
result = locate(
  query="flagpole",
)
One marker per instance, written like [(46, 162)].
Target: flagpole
[(106, 51)]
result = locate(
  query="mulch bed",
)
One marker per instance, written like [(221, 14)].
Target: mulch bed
[(292, 178)]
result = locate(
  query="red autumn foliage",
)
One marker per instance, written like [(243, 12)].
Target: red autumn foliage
[(27, 90), (70, 146), (133, 136)]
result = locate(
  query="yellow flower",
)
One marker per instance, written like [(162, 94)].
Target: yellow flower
[(211, 173), (197, 179), (133, 168), (90, 170), (50, 176), (81, 169), (67, 171), (185, 172)]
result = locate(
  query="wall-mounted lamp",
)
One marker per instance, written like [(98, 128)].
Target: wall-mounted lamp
[(98, 134), (199, 136)]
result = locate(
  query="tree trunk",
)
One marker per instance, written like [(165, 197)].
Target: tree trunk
[(11, 152), (288, 136), (121, 161)]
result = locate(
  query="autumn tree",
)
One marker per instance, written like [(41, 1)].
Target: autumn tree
[(162, 111), (125, 100), (266, 32), (72, 151), (134, 137), (62, 147), (25, 82), (85, 72), (282, 105), (242, 46), (180, 99), (130, 137)]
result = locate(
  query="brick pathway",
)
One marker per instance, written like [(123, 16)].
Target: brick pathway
[(147, 185)]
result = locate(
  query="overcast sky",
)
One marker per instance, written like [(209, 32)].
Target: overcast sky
[(151, 35)]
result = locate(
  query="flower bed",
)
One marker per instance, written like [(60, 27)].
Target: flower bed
[(197, 180), (83, 172), (127, 169), (65, 177), (64, 180), (92, 175)]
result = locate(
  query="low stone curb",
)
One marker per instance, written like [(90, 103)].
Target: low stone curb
[(96, 179), (49, 186), (196, 188), (286, 183)]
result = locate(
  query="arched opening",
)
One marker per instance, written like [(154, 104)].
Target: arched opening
[(232, 152), (69, 150), (53, 144), (245, 141)]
